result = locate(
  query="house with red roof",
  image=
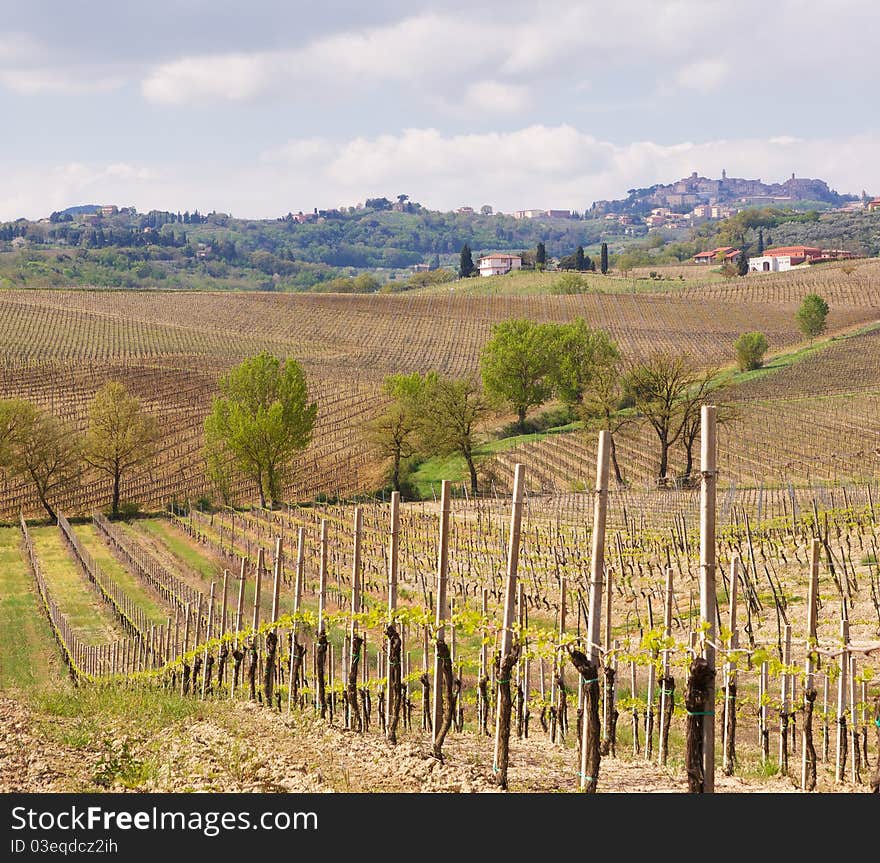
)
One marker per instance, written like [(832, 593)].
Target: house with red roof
[(713, 256)]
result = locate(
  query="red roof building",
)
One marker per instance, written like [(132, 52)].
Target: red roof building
[(729, 254), (803, 252)]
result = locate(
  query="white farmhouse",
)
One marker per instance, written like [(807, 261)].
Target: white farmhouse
[(770, 264), (499, 264)]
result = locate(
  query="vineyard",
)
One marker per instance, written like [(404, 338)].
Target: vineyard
[(60, 347), (554, 633), (409, 624)]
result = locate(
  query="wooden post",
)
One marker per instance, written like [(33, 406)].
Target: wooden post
[(808, 752), (729, 727), (666, 692), (840, 764), (484, 664), (276, 581), (763, 690), (205, 669), (322, 578), (785, 709), (239, 611), (185, 646), (508, 655), (393, 555), (257, 591), (559, 667), (608, 701), (442, 608), (297, 592), (707, 584), (589, 754), (354, 648)]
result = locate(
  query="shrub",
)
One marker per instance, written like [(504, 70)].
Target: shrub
[(568, 283), (750, 350)]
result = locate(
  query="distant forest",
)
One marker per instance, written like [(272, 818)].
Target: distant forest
[(191, 250)]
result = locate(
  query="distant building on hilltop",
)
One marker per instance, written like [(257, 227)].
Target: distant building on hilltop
[(873, 206), (528, 214), (498, 264), (783, 258)]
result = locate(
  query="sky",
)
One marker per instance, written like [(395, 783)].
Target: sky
[(259, 108)]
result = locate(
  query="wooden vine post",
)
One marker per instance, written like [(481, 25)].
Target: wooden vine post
[(808, 750), (667, 681), (589, 670), (296, 650), (442, 687), (840, 763), (785, 708), (729, 726), (255, 626), (556, 729), (392, 693), (609, 709), (206, 675), (700, 697), (354, 640), (321, 649), (484, 663), (509, 648), (272, 634)]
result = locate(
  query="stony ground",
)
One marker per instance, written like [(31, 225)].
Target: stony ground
[(243, 747)]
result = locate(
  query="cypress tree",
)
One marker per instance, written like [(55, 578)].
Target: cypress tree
[(760, 242), (540, 255), (603, 259), (466, 262), (742, 265), (579, 261)]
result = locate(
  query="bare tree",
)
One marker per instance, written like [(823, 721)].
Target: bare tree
[(667, 391)]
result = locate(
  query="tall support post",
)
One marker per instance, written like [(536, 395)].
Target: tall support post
[(322, 578), (665, 692), (350, 669), (276, 580), (442, 607), (842, 686), (484, 664), (502, 734), (590, 736), (206, 672), (393, 556), (728, 730), (707, 584), (559, 667), (808, 751), (297, 593)]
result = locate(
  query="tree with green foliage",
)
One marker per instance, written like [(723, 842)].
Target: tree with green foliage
[(760, 242), (465, 262), (262, 419), (579, 259), (121, 437), (603, 259), (540, 256), (750, 350), (394, 433), (581, 353), (742, 265), (516, 364), (812, 316), (451, 412), (45, 452)]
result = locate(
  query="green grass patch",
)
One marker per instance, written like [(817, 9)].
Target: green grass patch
[(135, 590), (27, 653), (180, 547), (90, 617), (432, 471)]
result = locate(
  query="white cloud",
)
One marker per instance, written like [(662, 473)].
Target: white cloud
[(494, 97), (31, 81), (704, 75)]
